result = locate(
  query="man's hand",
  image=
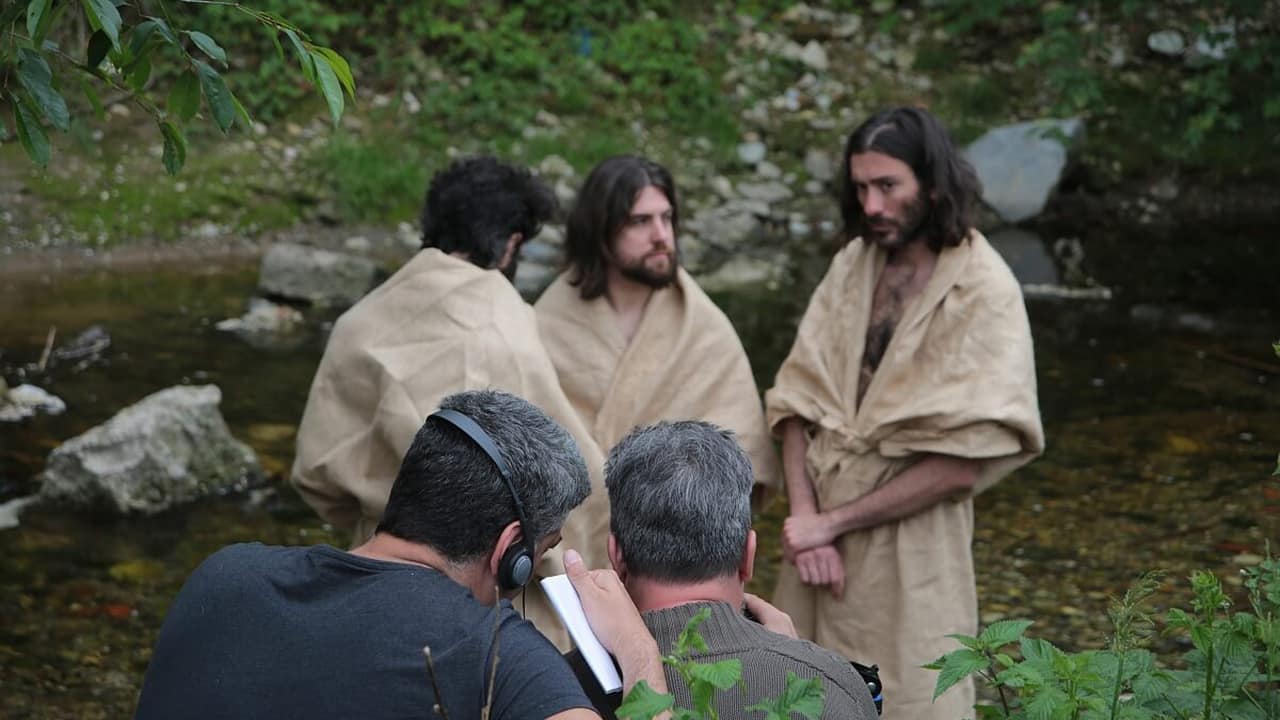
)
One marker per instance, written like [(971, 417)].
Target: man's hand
[(804, 532), (822, 566), (770, 617), (616, 622)]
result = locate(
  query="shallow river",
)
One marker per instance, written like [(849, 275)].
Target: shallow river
[(1161, 443)]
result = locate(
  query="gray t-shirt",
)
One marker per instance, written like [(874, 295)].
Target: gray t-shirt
[(277, 632)]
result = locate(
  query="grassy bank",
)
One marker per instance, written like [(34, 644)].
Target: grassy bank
[(683, 82)]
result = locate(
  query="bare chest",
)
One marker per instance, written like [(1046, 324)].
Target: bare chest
[(895, 289)]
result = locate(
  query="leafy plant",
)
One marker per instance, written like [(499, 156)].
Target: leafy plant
[(123, 52), (1232, 670), (705, 680)]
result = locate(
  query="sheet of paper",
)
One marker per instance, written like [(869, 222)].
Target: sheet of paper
[(565, 600)]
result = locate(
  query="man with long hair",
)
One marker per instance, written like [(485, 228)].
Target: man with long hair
[(909, 388), (633, 337), (449, 320)]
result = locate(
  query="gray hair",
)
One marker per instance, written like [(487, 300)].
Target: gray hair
[(680, 501), (450, 495)]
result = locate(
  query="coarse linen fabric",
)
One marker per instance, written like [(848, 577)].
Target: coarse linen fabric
[(439, 326), (313, 632), (958, 378), (685, 362)]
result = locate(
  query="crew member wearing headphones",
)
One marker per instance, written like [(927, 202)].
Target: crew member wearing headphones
[(416, 622)]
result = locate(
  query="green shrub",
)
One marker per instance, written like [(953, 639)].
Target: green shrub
[(1232, 670)]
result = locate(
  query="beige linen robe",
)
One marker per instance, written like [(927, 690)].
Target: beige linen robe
[(440, 325), (958, 378), (685, 362)]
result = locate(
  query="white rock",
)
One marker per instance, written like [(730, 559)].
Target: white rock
[(814, 55), (723, 187), (10, 511), (751, 152), (411, 103), (768, 170), (555, 166), (26, 400), (1167, 42), (819, 165)]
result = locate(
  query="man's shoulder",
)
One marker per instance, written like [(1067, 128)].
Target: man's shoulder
[(987, 273)]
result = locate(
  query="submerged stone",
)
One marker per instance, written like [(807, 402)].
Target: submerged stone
[(170, 448)]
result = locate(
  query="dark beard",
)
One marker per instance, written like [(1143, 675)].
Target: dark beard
[(641, 274), (912, 225)]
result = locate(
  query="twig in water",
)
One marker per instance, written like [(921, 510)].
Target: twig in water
[(435, 686), (48, 347)]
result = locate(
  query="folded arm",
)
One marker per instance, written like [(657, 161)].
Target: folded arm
[(932, 480)]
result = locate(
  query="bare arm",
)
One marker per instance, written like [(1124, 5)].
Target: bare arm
[(932, 480), (796, 476), (819, 564)]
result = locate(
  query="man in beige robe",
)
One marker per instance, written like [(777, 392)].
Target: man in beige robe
[(448, 321), (909, 388), (633, 338)]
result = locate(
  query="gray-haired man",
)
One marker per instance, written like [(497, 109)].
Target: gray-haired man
[(681, 540), (272, 632)]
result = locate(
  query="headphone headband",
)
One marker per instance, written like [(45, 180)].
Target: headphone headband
[(472, 430)]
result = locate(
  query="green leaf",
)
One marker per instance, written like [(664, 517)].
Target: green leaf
[(31, 134), (1003, 632), (165, 31), (245, 118), (35, 13), (956, 666), (36, 77), (970, 642), (104, 16), (94, 101), (721, 675), (1043, 704), (140, 35), (340, 68), (217, 95), (800, 696), (643, 702), (138, 73), (99, 46), (304, 57), (207, 44), (329, 87), (1039, 651), (689, 638), (175, 148), (184, 98)]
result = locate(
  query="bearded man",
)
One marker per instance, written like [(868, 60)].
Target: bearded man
[(633, 338), (910, 388)]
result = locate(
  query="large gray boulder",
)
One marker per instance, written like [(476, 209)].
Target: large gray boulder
[(1027, 256), (172, 447), (320, 277), (1020, 165)]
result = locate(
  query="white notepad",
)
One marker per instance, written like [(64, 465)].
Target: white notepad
[(565, 600)]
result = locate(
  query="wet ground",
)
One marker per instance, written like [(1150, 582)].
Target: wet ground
[(1161, 444)]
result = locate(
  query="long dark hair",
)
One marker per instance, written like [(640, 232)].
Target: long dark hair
[(477, 203), (603, 205), (949, 187)]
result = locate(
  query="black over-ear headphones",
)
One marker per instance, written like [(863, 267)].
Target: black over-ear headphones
[(516, 568)]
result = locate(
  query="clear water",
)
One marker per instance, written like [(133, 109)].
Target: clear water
[(1161, 443)]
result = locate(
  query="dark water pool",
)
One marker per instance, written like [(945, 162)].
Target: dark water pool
[(1161, 443)]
